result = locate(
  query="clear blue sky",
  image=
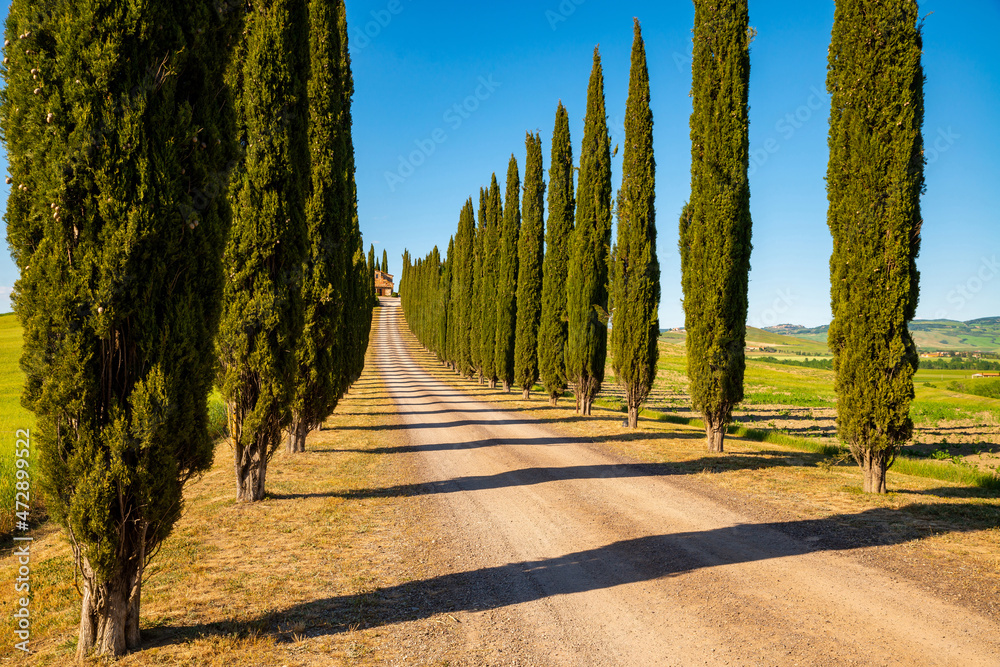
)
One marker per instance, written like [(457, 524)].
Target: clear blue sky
[(506, 66)]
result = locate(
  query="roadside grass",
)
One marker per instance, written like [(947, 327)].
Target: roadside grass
[(13, 417), (299, 579)]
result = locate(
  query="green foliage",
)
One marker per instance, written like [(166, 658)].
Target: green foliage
[(478, 321), (334, 292), (462, 290), (874, 182), (635, 285), (823, 364), (529, 277), (715, 225), (506, 291), (988, 387), (262, 312), (493, 212), (385, 261), (117, 221), (552, 331), (587, 279)]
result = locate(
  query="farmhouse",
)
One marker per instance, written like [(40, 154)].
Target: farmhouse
[(383, 283)]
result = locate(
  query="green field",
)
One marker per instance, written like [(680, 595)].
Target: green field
[(982, 335), (12, 415)]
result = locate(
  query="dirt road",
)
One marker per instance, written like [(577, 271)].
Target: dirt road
[(569, 556)]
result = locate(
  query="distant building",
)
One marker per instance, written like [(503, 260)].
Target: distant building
[(383, 283), (986, 375)]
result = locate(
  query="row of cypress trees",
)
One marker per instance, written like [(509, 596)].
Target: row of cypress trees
[(874, 183), (182, 201), (516, 300)]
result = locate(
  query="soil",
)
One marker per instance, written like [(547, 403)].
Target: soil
[(555, 551)]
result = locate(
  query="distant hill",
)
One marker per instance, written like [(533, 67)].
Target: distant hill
[(982, 335), (761, 338)]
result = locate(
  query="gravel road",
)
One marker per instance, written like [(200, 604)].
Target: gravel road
[(565, 555)]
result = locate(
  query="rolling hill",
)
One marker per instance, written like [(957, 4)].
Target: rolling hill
[(980, 335)]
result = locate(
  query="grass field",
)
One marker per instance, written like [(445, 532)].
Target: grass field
[(12, 417)]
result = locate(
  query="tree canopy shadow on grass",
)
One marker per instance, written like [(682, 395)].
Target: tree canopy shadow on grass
[(624, 562)]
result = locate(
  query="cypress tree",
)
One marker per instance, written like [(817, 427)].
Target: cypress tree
[(320, 355), (371, 267), (529, 271), (506, 303), (477, 319), (490, 272), (715, 226), (117, 220), (360, 293), (636, 282), (874, 182), (587, 279), (552, 332), (385, 261), (462, 292), (262, 306)]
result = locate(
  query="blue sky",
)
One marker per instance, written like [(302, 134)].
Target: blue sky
[(445, 92)]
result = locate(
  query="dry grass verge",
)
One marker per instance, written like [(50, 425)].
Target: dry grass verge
[(310, 576)]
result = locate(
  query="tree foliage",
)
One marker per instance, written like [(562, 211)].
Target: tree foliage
[(875, 178), (506, 291), (552, 332), (117, 219), (262, 307), (715, 225), (635, 284), (587, 279), (530, 253)]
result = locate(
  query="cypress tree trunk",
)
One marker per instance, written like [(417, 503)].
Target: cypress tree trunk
[(587, 280), (552, 334), (874, 182), (715, 225), (529, 277), (636, 283), (507, 275), (117, 218), (262, 308)]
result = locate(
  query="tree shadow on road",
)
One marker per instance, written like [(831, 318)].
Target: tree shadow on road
[(619, 563)]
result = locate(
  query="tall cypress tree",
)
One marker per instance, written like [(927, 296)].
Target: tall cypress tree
[(587, 279), (462, 292), (385, 261), (552, 331), (320, 354), (360, 294), (875, 178), (529, 271), (636, 282), (262, 307), (117, 220), (478, 284), (490, 273), (506, 302), (715, 227)]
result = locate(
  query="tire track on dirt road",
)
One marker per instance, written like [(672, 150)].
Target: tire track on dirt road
[(599, 562)]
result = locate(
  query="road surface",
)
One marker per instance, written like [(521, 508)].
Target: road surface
[(595, 561)]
